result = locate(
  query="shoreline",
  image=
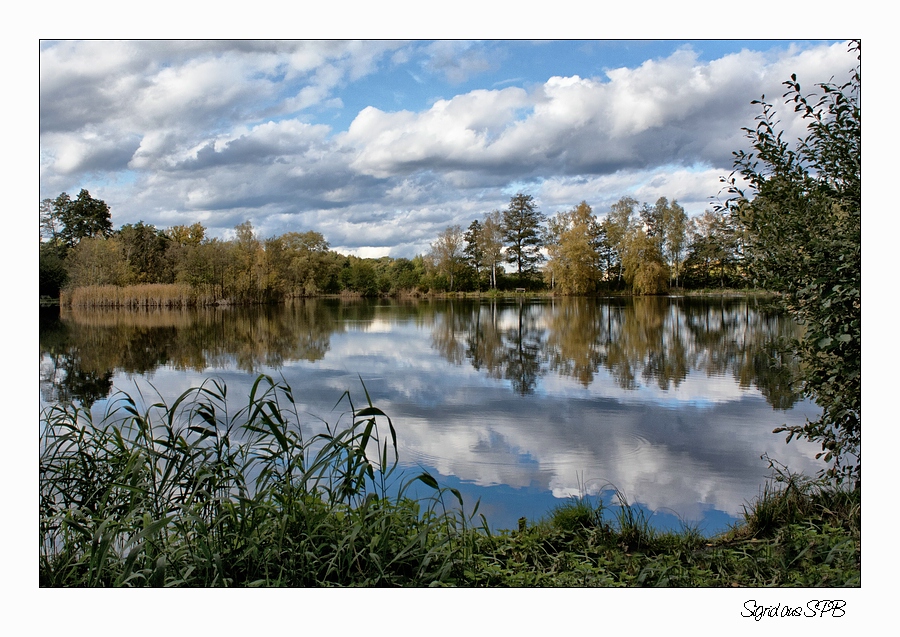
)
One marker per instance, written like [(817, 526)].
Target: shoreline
[(176, 296)]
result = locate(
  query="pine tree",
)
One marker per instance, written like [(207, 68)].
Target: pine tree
[(522, 235)]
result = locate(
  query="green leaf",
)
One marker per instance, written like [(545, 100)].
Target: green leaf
[(370, 411), (428, 479)]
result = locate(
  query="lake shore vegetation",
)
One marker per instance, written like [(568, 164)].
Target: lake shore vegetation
[(203, 493), (634, 249)]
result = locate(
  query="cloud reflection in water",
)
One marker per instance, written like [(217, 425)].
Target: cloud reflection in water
[(672, 401)]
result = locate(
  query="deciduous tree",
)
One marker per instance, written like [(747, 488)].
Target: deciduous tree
[(301, 261), (97, 261), (492, 243), (186, 235), (447, 252), (713, 252), (802, 211), (616, 226), (572, 245), (673, 223), (644, 268)]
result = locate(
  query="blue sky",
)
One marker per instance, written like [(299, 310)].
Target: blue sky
[(380, 145)]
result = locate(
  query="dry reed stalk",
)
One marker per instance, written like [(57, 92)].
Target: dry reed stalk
[(158, 295)]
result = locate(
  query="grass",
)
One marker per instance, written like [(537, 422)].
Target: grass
[(812, 540), (198, 493), (175, 295)]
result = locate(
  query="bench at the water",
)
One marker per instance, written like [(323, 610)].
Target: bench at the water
[(522, 290)]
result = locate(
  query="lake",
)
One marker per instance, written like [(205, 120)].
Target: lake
[(519, 403)]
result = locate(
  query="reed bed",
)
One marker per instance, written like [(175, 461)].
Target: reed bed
[(149, 295), (194, 495)]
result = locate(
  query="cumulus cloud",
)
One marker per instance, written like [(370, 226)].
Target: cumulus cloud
[(172, 92), (674, 111), (455, 134), (228, 131)]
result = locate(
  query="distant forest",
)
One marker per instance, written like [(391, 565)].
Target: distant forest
[(634, 248)]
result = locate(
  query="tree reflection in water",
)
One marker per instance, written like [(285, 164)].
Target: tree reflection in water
[(646, 339), (649, 340)]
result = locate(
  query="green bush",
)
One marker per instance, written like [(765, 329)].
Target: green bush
[(802, 218)]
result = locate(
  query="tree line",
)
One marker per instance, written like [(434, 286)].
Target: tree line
[(79, 248), (639, 248)]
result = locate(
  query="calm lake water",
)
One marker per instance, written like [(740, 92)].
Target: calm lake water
[(519, 403)]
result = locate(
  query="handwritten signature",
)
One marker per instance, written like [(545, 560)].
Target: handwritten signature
[(813, 608)]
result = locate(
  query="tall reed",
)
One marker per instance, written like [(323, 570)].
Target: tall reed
[(133, 296), (197, 494)]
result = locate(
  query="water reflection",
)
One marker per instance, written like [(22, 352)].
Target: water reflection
[(649, 340), (80, 350), (642, 340), (670, 400), (505, 343)]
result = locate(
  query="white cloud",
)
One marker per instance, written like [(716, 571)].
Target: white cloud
[(453, 133), (665, 112), (241, 130)]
